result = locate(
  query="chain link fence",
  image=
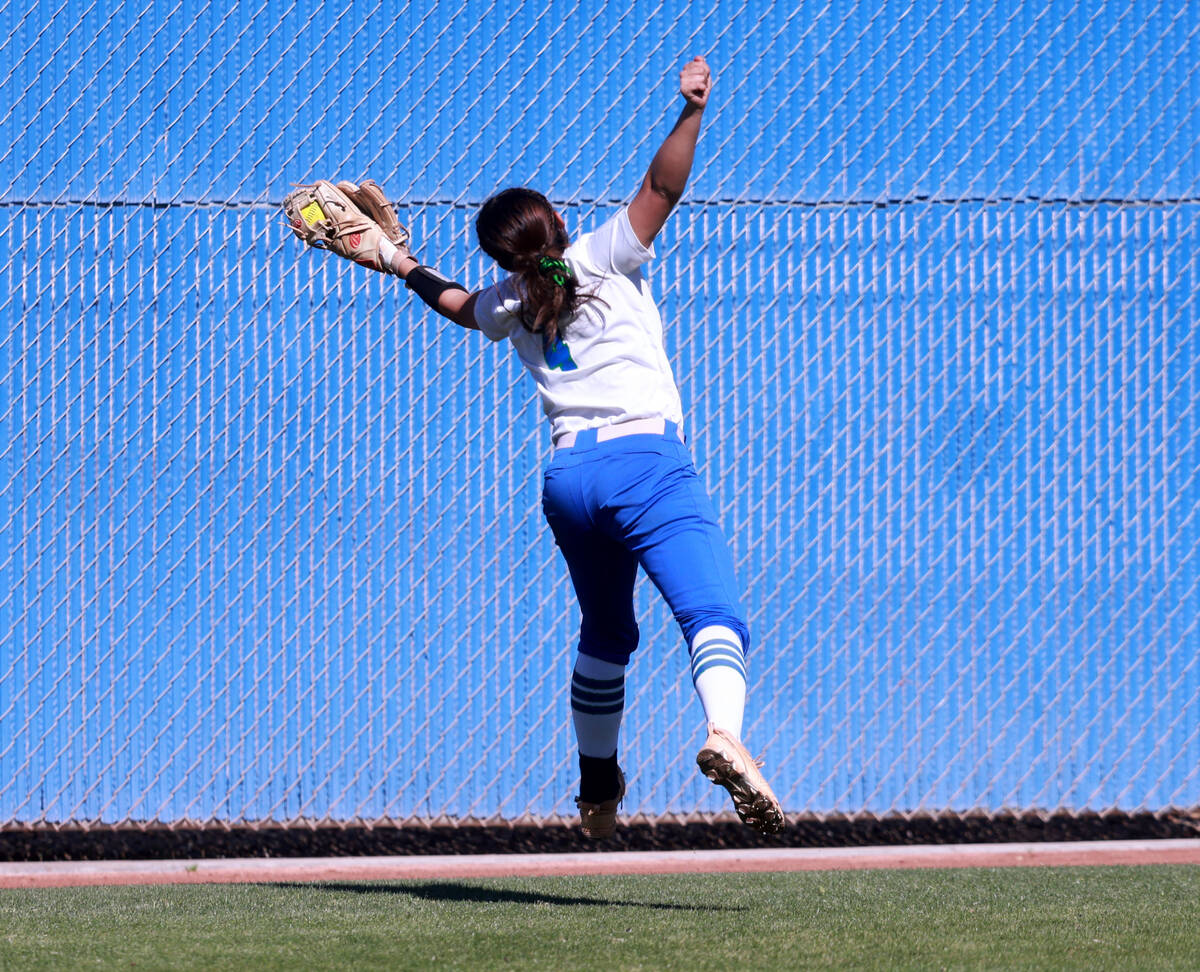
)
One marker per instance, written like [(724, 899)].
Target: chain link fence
[(270, 538)]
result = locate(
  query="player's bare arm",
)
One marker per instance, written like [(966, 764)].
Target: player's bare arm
[(448, 298), (668, 174), (459, 306)]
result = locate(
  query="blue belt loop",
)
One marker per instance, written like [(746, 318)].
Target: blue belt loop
[(585, 438), (671, 431)]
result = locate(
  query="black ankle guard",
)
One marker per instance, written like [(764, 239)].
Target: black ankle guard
[(599, 778)]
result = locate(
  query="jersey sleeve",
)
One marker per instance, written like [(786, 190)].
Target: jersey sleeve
[(497, 310), (614, 246)]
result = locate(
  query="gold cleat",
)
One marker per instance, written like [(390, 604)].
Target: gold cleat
[(599, 820), (726, 762)]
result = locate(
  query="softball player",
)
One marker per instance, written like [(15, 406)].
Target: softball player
[(620, 489)]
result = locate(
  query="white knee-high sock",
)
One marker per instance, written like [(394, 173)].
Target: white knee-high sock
[(597, 704), (719, 674)]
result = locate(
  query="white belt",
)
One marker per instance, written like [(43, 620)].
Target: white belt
[(648, 426)]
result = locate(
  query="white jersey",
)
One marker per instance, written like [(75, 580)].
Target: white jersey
[(610, 365)]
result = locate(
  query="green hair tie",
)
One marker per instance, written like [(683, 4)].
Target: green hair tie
[(554, 270)]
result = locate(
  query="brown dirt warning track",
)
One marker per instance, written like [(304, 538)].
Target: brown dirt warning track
[(252, 870)]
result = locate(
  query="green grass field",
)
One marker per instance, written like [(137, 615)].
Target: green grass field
[(1004, 918)]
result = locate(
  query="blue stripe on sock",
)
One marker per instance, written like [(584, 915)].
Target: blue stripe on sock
[(718, 653), (597, 683), (612, 690), (717, 663), (718, 646), (598, 709), (715, 643), (618, 695)]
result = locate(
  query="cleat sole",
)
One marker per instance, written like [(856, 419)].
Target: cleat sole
[(755, 809)]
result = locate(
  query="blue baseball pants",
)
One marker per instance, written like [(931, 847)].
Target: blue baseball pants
[(638, 499)]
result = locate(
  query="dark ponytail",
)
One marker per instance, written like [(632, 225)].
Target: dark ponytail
[(519, 229)]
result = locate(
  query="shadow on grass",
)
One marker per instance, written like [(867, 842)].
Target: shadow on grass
[(454, 891)]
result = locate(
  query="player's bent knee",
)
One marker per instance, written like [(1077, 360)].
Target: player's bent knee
[(693, 623), (608, 642)]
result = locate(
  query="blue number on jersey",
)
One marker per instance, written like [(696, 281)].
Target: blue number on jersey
[(558, 355)]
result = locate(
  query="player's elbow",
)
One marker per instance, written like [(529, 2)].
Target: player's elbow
[(463, 314), (669, 192)]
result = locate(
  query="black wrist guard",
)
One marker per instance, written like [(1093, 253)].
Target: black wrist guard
[(429, 285)]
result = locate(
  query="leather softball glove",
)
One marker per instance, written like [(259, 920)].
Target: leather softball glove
[(351, 220)]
